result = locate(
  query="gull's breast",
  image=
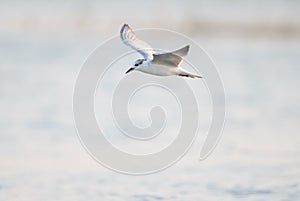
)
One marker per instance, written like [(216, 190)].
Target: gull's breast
[(160, 70)]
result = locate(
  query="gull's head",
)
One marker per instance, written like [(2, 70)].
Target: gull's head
[(138, 63)]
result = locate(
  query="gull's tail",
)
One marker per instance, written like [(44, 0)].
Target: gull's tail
[(188, 74)]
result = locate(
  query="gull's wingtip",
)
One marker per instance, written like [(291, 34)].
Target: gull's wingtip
[(123, 27)]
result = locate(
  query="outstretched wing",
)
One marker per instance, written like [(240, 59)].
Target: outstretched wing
[(182, 51), (129, 38), (171, 59), (167, 59)]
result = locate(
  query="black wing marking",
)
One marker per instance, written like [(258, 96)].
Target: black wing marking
[(129, 38)]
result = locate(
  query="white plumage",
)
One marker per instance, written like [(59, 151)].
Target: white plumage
[(161, 64)]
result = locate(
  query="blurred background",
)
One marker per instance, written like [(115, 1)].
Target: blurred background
[(256, 47)]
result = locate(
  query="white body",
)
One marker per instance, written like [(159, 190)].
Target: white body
[(157, 69), (161, 64)]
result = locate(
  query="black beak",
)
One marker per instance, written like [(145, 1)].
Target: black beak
[(130, 69)]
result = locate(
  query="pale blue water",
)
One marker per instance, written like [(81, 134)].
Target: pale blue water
[(41, 157)]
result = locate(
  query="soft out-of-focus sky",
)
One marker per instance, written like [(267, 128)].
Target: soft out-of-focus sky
[(255, 45), (94, 18)]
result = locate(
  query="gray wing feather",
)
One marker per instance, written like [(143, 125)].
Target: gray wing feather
[(129, 38), (182, 51), (171, 59), (167, 59)]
